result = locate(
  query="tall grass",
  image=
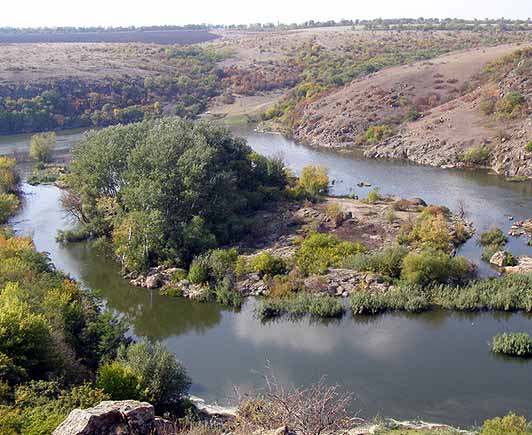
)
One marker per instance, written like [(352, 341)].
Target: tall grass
[(300, 305)]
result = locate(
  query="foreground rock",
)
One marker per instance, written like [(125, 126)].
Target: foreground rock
[(128, 417)]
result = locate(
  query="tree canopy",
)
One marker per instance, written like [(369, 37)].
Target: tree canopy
[(168, 189)]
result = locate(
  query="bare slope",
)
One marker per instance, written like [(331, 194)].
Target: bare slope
[(440, 90)]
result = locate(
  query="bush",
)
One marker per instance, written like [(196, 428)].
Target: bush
[(433, 266), (378, 133), (493, 237), (334, 212), (513, 344), (266, 264), (511, 104), (431, 230), (314, 179), (509, 425), (164, 380), (120, 382), (197, 273), (8, 206), (73, 236), (42, 146), (528, 147), (373, 196), (387, 262), (475, 156), (321, 251)]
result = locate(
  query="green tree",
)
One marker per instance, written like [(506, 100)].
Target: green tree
[(42, 146)]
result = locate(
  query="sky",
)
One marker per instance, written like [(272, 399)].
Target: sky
[(34, 13)]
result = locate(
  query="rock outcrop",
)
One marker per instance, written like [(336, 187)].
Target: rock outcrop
[(128, 417), (524, 265)]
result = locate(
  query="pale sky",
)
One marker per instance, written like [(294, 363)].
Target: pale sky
[(32, 13)]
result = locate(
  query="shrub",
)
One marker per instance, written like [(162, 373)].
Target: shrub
[(528, 147), (73, 236), (378, 133), (8, 206), (511, 104), (320, 251), (431, 231), (314, 179), (120, 382), (266, 264), (513, 344), (242, 267), (493, 237), (373, 196), (387, 262), (432, 266), (488, 251), (42, 146), (164, 380), (475, 156), (511, 424), (412, 115), (197, 273), (334, 212)]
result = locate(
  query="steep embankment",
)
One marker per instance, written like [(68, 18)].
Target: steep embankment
[(451, 111)]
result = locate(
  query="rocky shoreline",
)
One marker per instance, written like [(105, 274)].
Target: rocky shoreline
[(367, 223), (130, 417)]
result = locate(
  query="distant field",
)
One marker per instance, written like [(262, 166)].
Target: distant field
[(151, 37)]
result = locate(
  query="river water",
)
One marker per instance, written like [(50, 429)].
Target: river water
[(436, 366)]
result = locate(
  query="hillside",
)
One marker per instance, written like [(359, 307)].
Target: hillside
[(431, 112)]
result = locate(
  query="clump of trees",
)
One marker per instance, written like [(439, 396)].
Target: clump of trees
[(168, 190)]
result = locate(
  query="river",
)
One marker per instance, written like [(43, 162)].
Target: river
[(436, 366)]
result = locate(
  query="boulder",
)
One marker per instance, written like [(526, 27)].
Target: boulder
[(499, 258), (127, 417), (153, 281)]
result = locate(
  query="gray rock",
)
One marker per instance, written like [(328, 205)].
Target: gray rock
[(153, 281), (128, 417)]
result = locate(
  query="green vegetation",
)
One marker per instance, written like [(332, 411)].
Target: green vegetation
[(55, 339), (528, 147), (511, 424), (387, 262), (377, 133), (9, 201), (508, 293), (300, 305), (373, 196), (431, 266), (168, 190), (513, 344), (475, 156), (42, 146), (148, 372), (321, 251), (493, 241), (215, 270), (266, 264)]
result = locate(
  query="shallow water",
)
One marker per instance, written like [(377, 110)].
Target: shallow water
[(436, 365)]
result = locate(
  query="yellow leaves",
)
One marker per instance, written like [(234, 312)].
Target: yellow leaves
[(314, 179)]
